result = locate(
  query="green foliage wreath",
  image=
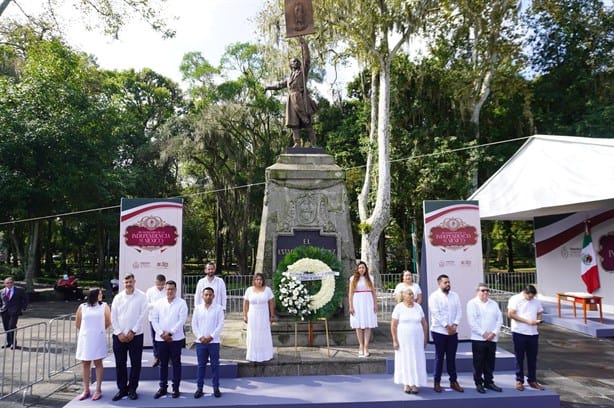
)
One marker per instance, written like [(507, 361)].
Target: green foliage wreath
[(313, 286)]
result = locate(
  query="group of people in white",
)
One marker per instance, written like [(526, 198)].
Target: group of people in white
[(167, 313), (410, 334)]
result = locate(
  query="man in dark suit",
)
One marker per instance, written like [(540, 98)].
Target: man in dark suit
[(13, 301)]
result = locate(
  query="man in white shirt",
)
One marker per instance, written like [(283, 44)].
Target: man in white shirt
[(446, 312), (128, 314), (207, 325), (169, 316), (525, 312), (485, 320), (211, 281), (155, 293)]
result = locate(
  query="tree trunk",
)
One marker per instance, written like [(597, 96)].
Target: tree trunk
[(33, 256), (488, 245), (377, 221), (18, 248), (100, 250), (509, 239)]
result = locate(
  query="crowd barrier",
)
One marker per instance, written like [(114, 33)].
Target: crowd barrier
[(23, 366), (43, 350), (61, 345)]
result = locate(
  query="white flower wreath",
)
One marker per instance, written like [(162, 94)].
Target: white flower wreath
[(314, 269)]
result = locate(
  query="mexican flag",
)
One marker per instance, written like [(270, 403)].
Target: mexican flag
[(588, 267)]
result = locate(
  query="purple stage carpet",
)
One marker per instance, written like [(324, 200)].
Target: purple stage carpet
[(360, 391)]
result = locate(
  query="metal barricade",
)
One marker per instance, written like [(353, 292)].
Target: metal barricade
[(385, 304), (513, 282), (22, 365), (502, 298), (234, 300), (61, 345)]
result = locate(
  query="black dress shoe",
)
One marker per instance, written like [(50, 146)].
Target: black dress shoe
[(199, 393), (160, 392), (217, 393), (119, 395), (175, 394), (480, 388), (133, 395), (493, 387)]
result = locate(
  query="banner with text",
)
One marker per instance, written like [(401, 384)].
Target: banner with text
[(453, 246), (150, 240)]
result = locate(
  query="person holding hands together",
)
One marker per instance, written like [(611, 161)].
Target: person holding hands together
[(409, 339), (207, 325), (258, 313), (485, 320)]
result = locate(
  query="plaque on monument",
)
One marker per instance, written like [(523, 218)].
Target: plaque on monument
[(286, 243)]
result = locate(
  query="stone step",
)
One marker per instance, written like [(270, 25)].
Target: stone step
[(289, 361)]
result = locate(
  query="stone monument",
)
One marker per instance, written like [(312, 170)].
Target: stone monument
[(306, 203)]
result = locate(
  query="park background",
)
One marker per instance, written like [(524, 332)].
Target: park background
[(437, 99)]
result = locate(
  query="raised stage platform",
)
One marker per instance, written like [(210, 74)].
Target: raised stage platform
[(357, 391), (593, 326), (343, 380)]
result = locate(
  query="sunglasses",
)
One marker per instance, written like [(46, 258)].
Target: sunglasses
[(485, 290)]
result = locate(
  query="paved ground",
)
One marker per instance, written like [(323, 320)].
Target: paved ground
[(579, 368)]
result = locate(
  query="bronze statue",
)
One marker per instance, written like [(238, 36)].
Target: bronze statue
[(300, 108)]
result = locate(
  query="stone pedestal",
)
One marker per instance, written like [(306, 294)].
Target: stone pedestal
[(305, 203)]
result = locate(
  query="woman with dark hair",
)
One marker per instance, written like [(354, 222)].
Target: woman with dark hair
[(93, 319), (258, 313), (408, 283), (363, 306)]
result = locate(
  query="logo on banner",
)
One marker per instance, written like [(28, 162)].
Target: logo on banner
[(606, 251), (151, 233), (453, 234)]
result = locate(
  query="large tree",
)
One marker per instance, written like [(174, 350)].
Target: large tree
[(572, 53), (233, 133), (53, 138), (109, 15)]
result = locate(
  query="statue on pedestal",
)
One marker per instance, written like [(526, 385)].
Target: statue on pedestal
[(300, 108)]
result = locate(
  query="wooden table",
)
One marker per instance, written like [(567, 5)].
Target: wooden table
[(584, 299)]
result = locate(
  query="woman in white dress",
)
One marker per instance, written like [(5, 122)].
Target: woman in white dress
[(409, 339), (363, 307), (408, 282), (92, 320), (258, 313)]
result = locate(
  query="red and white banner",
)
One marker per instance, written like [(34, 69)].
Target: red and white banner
[(150, 240), (453, 246)]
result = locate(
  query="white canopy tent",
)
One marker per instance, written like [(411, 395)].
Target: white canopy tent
[(571, 178), (550, 175)]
